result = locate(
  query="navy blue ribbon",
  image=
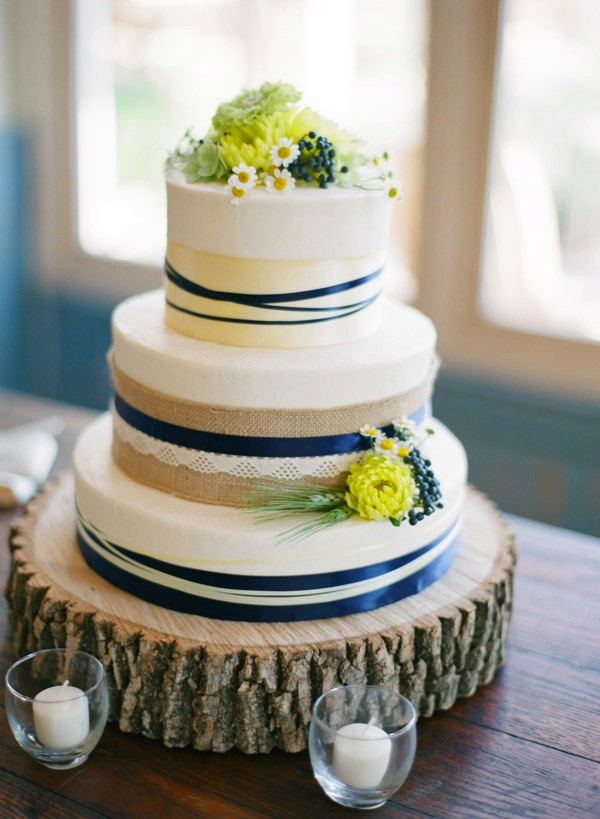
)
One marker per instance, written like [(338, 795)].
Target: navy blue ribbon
[(250, 446), (178, 600), (230, 320), (273, 301), (282, 583)]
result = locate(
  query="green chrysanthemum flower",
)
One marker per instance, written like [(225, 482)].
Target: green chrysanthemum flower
[(249, 106), (380, 488)]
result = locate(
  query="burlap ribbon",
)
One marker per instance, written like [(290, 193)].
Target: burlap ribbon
[(229, 489)]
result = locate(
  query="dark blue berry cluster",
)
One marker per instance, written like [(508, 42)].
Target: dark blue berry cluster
[(427, 484), (316, 160)]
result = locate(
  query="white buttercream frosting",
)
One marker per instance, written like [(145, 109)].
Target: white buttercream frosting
[(395, 359), (276, 246), (298, 303), (182, 532), (308, 223)]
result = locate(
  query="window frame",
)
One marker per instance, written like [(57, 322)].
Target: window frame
[(465, 46), (44, 52), (464, 52)]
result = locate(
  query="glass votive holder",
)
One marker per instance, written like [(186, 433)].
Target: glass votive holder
[(362, 741), (57, 705)]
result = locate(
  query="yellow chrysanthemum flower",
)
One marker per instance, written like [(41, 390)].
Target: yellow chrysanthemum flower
[(379, 488), (253, 142), (260, 128)]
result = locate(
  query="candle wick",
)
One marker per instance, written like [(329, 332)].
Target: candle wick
[(63, 688), (371, 721)]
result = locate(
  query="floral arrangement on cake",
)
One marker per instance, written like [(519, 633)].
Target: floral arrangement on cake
[(263, 139), (393, 482)]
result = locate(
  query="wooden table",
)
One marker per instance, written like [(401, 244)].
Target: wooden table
[(526, 745)]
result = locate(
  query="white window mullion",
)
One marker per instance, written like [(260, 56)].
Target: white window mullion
[(96, 128)]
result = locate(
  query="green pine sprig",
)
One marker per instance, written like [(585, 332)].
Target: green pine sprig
[(274, 500)]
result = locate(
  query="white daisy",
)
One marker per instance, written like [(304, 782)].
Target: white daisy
[(394, 190), (237, 194), (280, 181), (406, 426), (243, 176), (380, 159), (369, 431), (385, 446), (403, 448), (284, 152)]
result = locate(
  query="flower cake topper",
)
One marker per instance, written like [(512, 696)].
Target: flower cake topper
[(393, 482), (262, 138)]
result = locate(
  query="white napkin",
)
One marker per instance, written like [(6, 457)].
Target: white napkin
[(26, 458)]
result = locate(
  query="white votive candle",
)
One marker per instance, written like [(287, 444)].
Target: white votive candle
[(62, 716), (361, 753)]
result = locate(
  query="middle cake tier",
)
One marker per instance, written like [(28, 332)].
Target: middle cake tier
[(204, 421)]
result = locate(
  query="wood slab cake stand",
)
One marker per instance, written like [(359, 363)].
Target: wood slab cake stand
[(217, 684)]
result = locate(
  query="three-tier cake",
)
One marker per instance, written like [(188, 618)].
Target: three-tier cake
[(271, 454)]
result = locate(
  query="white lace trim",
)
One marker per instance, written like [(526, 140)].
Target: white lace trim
[(330, 466)]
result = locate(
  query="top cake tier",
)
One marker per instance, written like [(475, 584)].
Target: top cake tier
[(301, 270), (278, 222)]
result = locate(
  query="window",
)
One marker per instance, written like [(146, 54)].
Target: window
[(542, 262), (462, 300), (148, 69), (425, 73)]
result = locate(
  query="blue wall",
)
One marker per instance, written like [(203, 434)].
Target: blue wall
[(535, 455), (65, 348), (50, 344), (13, 250)]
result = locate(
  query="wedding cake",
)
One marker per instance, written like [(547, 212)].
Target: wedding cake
[(270, 454)]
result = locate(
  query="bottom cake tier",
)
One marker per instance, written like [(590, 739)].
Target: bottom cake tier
[(216, 685), (219, 562)]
